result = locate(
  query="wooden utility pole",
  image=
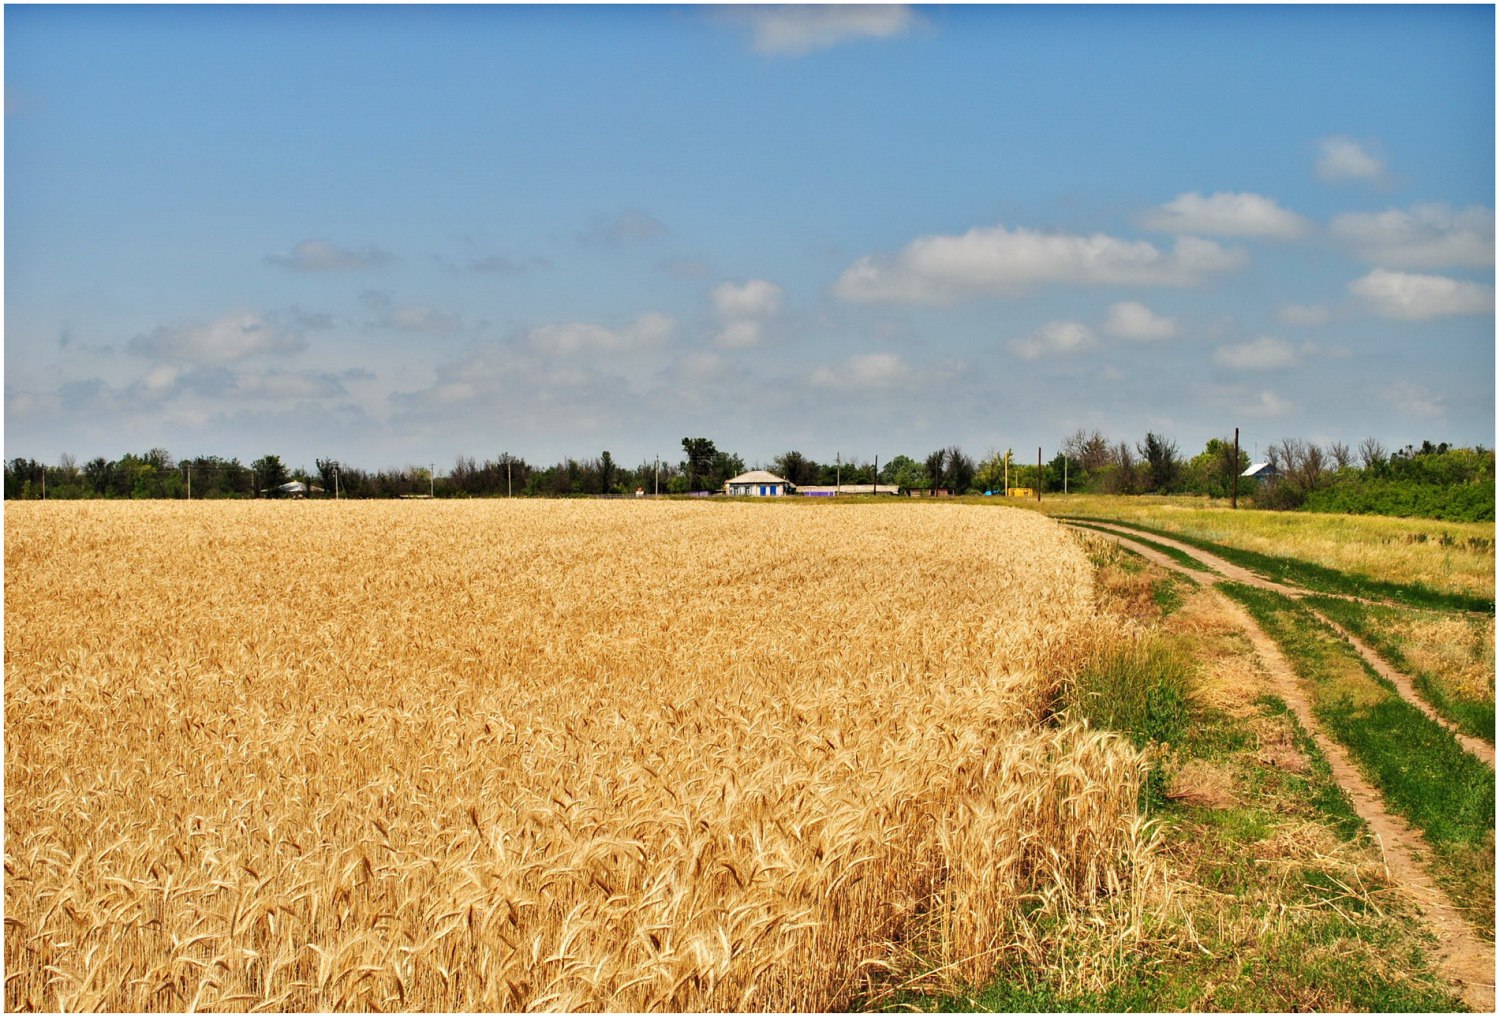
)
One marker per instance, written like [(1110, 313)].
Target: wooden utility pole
[(874, 488), (1038, 475), (1236, 468), (189, 483)]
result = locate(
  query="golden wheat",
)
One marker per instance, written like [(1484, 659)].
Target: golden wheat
[(497, 756)]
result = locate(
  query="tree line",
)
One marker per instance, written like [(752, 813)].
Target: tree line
[(1437, 480)]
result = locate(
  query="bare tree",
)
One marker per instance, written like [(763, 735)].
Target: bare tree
[(1371, 453), (1126, 475), (1091, 451), (1342, 455)]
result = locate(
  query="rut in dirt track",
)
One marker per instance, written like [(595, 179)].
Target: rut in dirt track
[(1462, 956)]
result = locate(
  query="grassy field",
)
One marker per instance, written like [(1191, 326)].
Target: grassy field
[(502, 756), (1447, 557)]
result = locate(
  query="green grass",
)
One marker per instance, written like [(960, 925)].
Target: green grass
[(1417, 765), (1322, 579), (1139, 690), (1372, 624), (1176, 554)]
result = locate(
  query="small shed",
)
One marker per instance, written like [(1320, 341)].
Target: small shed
[(1261, 471), (758, 483)]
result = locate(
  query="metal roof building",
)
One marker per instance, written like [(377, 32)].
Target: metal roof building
[(758, 483)]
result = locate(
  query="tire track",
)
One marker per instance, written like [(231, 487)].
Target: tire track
[(1404, 685)]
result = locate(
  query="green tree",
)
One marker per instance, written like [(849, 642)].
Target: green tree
[(698, 466), (270, 473), (797, 468), (1162, 463)]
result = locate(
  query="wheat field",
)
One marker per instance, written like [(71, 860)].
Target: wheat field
[(545, 755)]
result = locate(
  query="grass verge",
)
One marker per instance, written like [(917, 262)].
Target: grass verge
[(1322, 579), (1388, 631), (1176, 554), (1419, 768)]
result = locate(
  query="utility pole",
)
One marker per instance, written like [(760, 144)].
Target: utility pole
[(432, 482), (1007, 473), (335, 482), (658, 477), (837, 479), (1236, 468), (1038, 475), (509, 489), (874, 488), (1064, 473), (189, 482)]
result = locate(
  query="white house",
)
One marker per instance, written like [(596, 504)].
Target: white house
[(757, 483)]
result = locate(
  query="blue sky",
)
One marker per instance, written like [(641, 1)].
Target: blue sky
[(396, 235)]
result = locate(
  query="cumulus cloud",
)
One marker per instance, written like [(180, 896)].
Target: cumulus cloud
[(1225, 214), (867, 371), (998, 261), (630, 226), (1055, 339), (796, 30), (743, 308), (1267, 405), (757, 298), (1426, 236), (1412, 400), (326, 256), (1303, 314), (1341, 158), (230, 338), (409, 317), (1133, 320), (1263, 354), (648, 331), (1412, 297)]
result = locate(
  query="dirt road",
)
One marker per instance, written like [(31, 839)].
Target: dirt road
[(1462, 956)]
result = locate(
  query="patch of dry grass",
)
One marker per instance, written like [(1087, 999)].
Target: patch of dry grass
[(1448, 556), (499, 756)]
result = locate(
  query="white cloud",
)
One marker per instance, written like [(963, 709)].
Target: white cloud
[(1055, 339), (1412, 400), (740, 335), (1340, 158), (1133, 320), (1267, 405), (1303, 314), (1225, 214), (232, 337), (1263, 354), (744, 308), (648, 331), (757, 298), (796, 30), (997, 261), (1426, 236), (1413, 297), (869, 371), (326, 256)]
